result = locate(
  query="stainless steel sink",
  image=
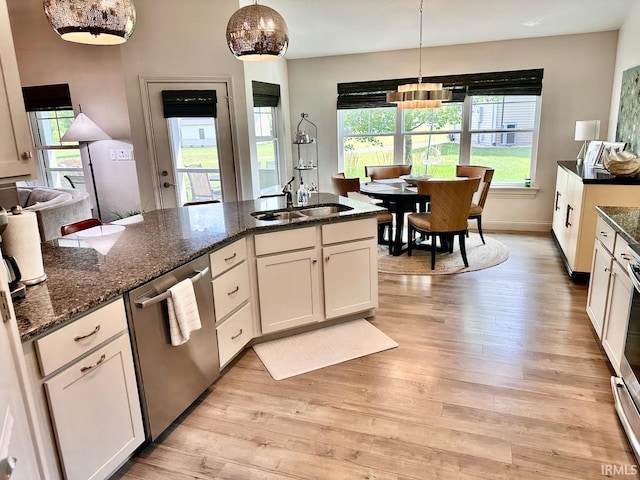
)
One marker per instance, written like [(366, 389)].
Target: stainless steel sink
[(300, 212), (275, 215), (324, 210)]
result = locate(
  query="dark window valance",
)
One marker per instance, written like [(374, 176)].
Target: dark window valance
[(374, 93), (189, 103), (47, 97), (265, 94)]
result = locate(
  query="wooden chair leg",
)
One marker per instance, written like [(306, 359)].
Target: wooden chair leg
[(410, 235), (480, 229), (463, 249), (433, 251)]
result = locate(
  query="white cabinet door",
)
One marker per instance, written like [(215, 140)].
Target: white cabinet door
[(599, 287), (619, 304), (96, 412), (289, 290), (15, 140), (350, 278), (572, 218), (559, 206)]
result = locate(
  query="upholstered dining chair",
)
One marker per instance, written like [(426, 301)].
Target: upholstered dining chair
[(450, 204), (346, 187), (480, 197), (81, 225), (380, 172)]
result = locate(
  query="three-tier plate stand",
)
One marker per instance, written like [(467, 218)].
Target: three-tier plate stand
[(307, 159)]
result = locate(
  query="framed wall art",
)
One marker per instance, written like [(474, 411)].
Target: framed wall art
[(628, 128)]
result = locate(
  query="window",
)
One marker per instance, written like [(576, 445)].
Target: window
[(501, 133), (492, 120), (267, 147), (56, 159)]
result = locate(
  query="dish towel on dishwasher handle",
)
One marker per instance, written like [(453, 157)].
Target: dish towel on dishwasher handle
[(184, 317)]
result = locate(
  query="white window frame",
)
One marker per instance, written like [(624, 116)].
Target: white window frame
[(276, 142), (44, 170), (465, 139)]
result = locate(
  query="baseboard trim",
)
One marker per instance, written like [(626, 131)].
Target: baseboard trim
[(512, 225)]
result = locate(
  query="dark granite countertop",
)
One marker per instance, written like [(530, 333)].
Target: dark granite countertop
[(624, 220), (80, 279), (589, 174)]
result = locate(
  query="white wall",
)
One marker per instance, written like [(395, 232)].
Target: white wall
[(628, 56), (578, 76), (94, 75), (173, 41)]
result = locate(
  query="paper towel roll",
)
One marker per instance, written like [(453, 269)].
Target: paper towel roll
[(21, 240)]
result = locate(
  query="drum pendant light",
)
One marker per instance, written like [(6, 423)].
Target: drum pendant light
[(93, 22), (257, 33), (419, 95)]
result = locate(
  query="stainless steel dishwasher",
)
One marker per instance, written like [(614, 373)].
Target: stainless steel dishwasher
[(171, 378)]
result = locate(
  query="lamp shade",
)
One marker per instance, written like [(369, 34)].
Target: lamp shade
[(95, 22), (257, 33), (83, 129), (587, 130)]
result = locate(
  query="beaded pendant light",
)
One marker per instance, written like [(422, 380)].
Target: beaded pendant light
[(94, 22), (257, 33), (419, 95)]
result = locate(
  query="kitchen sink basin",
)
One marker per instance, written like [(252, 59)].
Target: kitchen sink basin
[(277, 215), (324, 210), (300, 212)]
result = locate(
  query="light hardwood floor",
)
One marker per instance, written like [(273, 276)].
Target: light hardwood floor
[(498, 376)]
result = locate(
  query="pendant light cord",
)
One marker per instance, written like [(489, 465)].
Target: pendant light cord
[(420, 63)]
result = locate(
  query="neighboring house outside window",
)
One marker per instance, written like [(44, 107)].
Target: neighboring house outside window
[(500, 131), (55, 159)]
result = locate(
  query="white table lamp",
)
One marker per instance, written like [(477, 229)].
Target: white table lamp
[(586, 130)]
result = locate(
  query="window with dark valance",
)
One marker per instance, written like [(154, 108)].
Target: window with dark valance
[(265, 94), (373, 94), (47, 98), (189, 103)]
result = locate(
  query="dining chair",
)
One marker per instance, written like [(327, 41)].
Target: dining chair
[(450, 205), (77, 226), (480, 197), (346, 186), (380, 172)]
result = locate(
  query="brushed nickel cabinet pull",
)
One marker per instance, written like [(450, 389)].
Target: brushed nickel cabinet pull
[(235, 290), (228, 259), (604, 234), (626, 256), (82, 337), (237, 335), (91, 367)]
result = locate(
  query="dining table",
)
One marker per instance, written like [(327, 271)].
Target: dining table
[(399, 198)]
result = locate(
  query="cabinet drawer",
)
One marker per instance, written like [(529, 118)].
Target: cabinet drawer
[(285, 240), (77, 338), (227, 257), (234, 334), (606, 234), (230, 290), (347, 231), (621, 252)]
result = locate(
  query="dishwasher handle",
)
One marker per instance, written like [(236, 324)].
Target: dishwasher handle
[(144, 301)]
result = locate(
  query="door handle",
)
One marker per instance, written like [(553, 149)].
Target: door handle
[(167, 184)]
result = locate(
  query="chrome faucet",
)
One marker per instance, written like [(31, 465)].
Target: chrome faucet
[(287, 191)]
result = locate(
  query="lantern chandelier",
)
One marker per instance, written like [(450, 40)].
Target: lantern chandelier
[(96, 22), (419, 95), (257, 33)]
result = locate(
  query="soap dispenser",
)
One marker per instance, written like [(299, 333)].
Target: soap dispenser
[(301, 194)]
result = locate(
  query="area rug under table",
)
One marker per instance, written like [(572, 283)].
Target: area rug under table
[(480, 256), (302, 353)]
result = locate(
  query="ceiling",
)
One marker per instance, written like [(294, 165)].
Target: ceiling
[(336, 27)]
